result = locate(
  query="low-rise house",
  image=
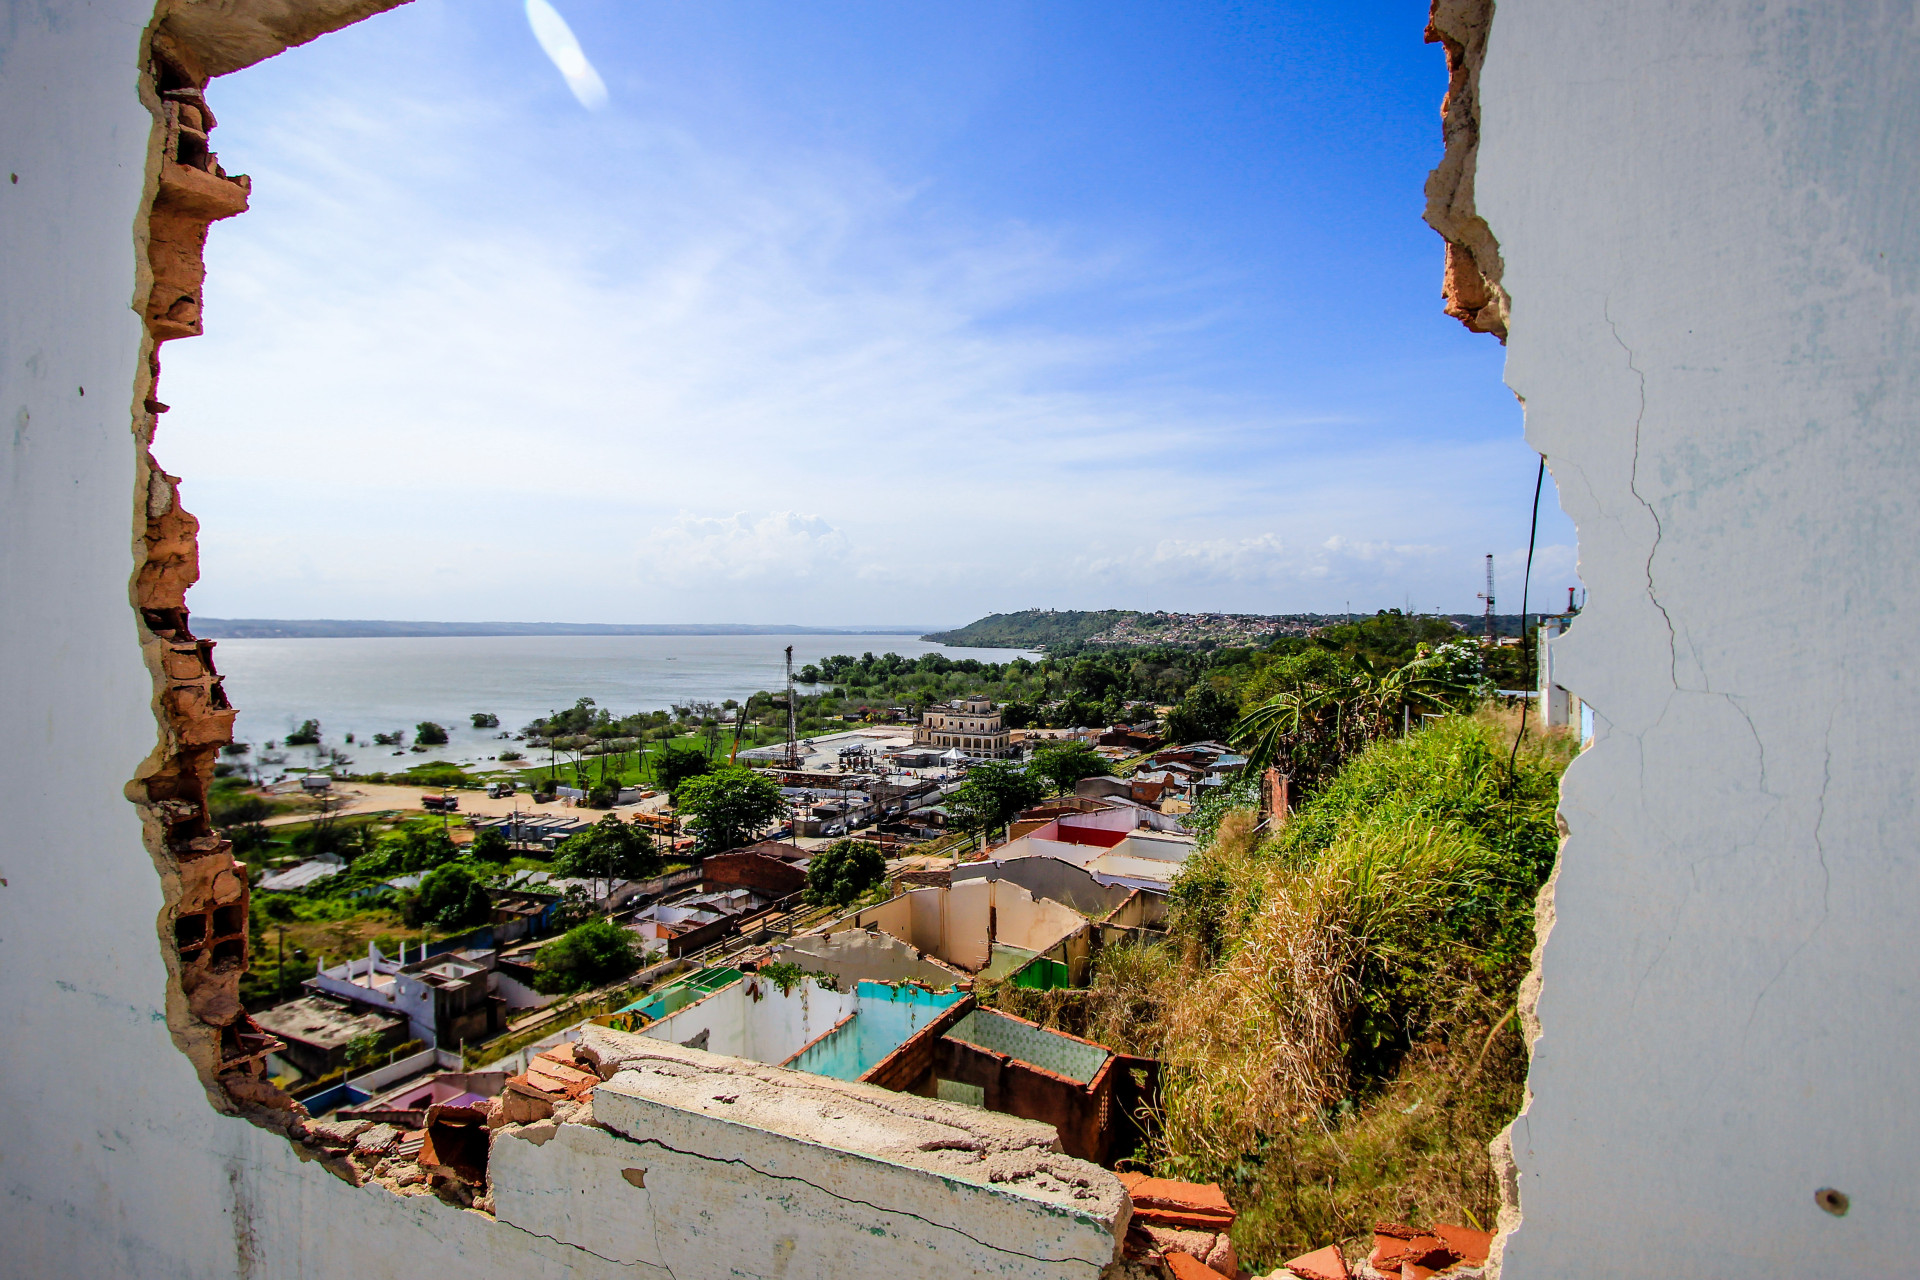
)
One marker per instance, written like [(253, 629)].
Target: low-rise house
[(317, 1032), (446, 999), (1123, 844), (405, 1104), (520, 914), (752, 868), (1135, 738), (304, 874), (855, 955), (689, 922), (1086, 1091), (980, 926), (804, 1025)]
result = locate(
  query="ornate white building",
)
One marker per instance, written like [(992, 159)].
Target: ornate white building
[(971, 725)]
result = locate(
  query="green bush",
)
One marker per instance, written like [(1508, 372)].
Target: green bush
[(451, 897), (490, 845), (1065, 763), (307, 735), (842, 872), (588, 955), (429, 734), (728, 806)]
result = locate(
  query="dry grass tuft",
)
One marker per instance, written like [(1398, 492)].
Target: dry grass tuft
[(1331, 1009)]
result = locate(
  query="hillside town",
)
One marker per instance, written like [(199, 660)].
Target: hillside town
[(902, 913)]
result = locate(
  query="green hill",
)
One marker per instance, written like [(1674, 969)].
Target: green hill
[(1032, 628)]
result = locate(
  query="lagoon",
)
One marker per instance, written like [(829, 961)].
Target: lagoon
[(365, 686)]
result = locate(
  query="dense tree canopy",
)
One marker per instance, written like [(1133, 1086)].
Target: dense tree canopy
[(609, 850), (728, 806), (1061, 764), (674, 763), (587, 955), (993, 794), (451, 897), (843, 871)]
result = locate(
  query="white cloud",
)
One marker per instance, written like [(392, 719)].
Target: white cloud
[(779, 546)]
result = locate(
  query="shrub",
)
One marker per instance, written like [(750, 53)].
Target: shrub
[(429, 734), (588, 955), (673, 765), (1333, 1046), (450, 897), (842, 872), (240, 810), (728, 805), (1065, 763), (510, 755), (485, 720), (307, 735), (602, 795), (490, 845)]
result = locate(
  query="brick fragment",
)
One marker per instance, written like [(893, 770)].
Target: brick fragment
[(1322, 1264), (1186, 1267), (1468, 1245)]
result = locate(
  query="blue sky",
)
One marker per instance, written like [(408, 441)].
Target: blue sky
[(844, 313)]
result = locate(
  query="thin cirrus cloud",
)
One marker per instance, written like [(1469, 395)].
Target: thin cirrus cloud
[(563, 49)]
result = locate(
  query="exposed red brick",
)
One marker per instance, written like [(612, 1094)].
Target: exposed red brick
[(1322, 1264), (1468, 1245), (456, 1143), (1185, 1267)]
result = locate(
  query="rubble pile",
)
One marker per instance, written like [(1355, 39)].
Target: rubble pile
[(1181, 1226), (447, 1157), (1400, 1252)]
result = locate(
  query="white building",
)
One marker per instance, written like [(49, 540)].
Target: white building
[(971, 726)]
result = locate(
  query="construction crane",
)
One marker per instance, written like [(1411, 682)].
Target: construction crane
[(1487, 595), (793, 720), (739, 722)]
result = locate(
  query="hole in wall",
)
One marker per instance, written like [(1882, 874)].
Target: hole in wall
[(207, 885)]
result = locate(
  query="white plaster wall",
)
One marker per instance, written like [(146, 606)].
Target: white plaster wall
[(721, 1198), (1022, 920), (1709, 224), (769, 1029)]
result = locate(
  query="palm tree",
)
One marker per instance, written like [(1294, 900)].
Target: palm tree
[(1315, 728)]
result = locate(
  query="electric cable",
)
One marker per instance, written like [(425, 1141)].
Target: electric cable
[(1531, 651)]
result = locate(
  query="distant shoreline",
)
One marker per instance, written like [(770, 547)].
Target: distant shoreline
[(364, 629)]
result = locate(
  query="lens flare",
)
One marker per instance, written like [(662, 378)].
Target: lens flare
[(557, 38)]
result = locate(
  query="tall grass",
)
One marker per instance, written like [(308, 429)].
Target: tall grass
[(1332, 1008)]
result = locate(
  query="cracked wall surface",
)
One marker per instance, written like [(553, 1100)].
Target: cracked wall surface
[(1706, 224)]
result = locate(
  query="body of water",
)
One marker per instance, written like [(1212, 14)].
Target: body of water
[(368, 686)]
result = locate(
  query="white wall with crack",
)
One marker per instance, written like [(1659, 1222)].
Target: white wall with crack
[(1710, 235)]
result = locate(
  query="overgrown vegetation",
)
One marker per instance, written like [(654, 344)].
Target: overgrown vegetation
[(843, 871), (587, 955), (1333, 1009)]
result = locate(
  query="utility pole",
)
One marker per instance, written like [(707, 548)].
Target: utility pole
[(1487, 595)]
